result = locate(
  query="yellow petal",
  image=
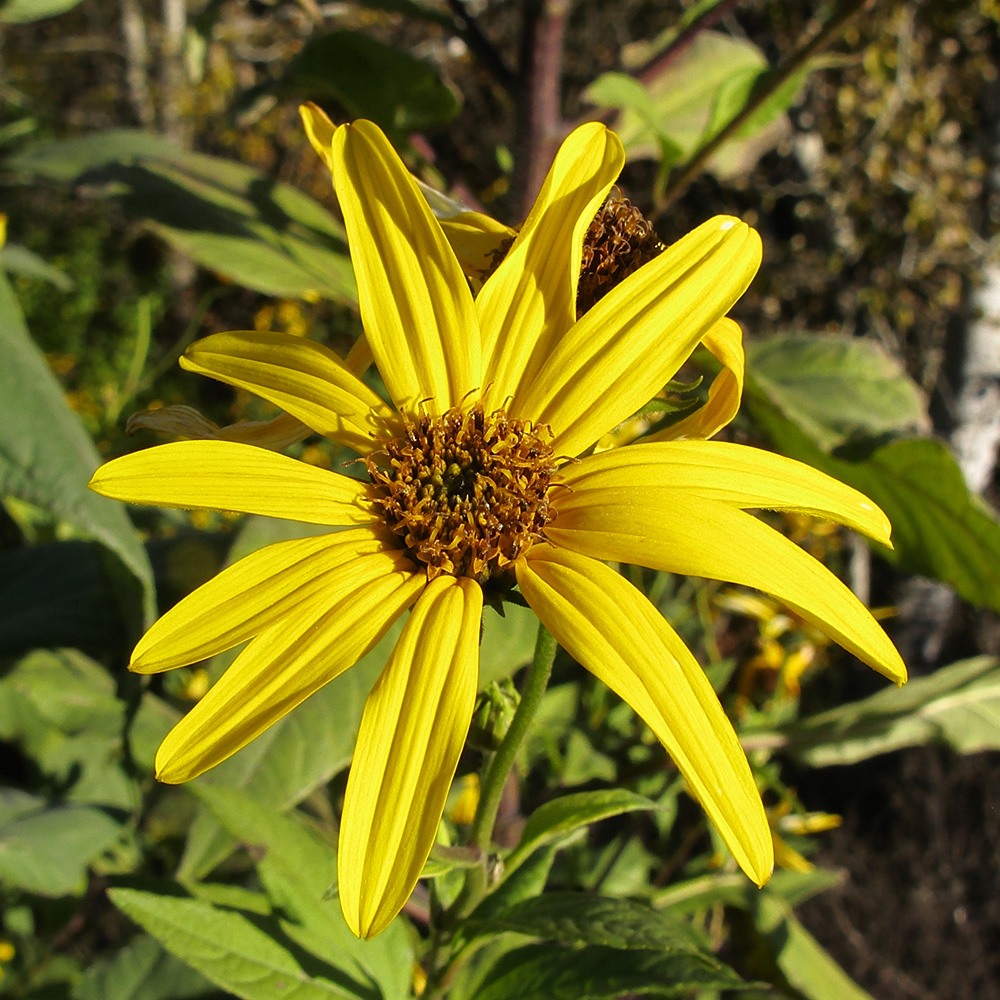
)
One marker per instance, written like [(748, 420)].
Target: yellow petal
[(529, 303), (224, 475), (319, 130), (412, 733), (734, 474), (631, 343), (304, 378), (415, 302), (280, 669), (676, 532), (186, 422), (476, 240), (619, 636), (261, 589), (725, 341)]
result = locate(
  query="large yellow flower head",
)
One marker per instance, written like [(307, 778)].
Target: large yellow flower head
[(472, 484)]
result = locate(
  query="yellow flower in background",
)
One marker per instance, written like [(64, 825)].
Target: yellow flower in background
[(470, 487)]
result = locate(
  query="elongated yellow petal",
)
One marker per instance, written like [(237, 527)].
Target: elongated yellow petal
[(224, 475), (629, 345), (668, 530), (302, 377), (529, 303), (614, 631), (415, 302), (734, 474), (412, 732), (280, 668), (476, 240), (319, 130), (261, 589), (725, 341)]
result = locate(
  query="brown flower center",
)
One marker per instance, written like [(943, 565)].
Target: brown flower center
[(465, 491), (618, 242)]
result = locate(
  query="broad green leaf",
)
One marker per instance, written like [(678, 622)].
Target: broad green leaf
[(142, 970), (687, 101), (47, 458), (581, 918), (296, 867), (836, 387), (20, 260), (47, 850), (26, 11), (228, 949), (370, 79), (547, 972), (525, 882), (957, 705), (561, 818), (229, 217), (807, 966), (939, 529)]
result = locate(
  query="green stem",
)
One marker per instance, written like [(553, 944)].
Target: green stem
[(500, 766)]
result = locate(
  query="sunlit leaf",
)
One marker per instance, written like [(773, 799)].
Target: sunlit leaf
[(26, 11), (47, 457)]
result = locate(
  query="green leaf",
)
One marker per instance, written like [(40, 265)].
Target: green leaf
[(684, 98), (507, 643), (228, 949), (26, 11), (834, 388), (21, 261), (47, 457), (581, 918), (142, 970), (939, 529), (807, 966), (370, 79), (229, 217), (957, 705), (46, 849), (545, 972), (296, 867), (560, 819)]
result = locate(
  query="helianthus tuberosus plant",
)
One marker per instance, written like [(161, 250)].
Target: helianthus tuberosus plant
[(478, 477)]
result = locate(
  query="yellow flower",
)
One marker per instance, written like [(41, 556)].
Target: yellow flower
[(470, 487)]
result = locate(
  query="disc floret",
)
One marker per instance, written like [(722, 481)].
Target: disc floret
[(466, 491)]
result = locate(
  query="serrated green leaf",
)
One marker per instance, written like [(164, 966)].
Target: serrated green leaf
[(834, 388), (957, 705), (370, 79), (142, 970), (581, 918), (939, 529), (563, 817), (47, 457), (228, 949), (46, 851), (229, 217), (547, 972)]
